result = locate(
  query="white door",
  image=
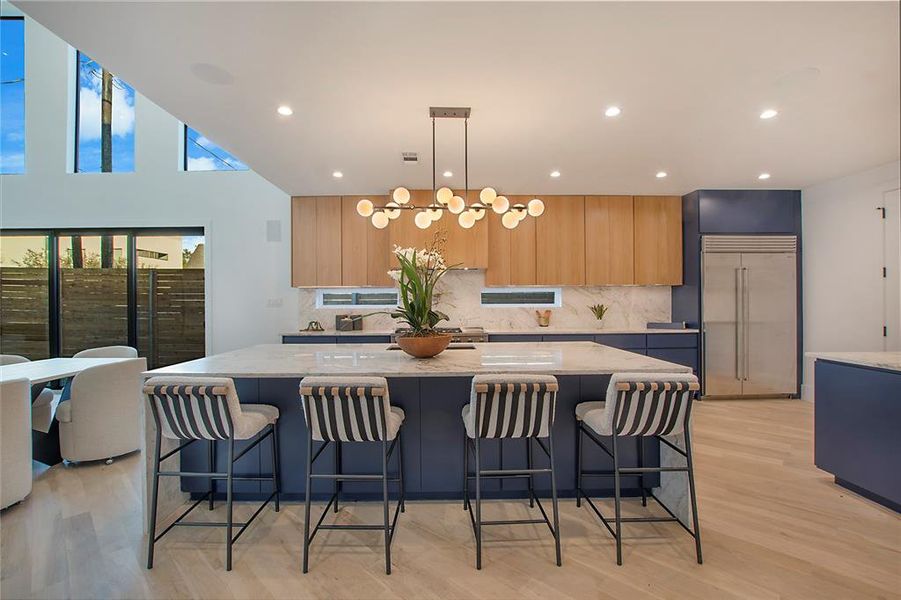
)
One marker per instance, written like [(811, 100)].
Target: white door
[(892, 247)]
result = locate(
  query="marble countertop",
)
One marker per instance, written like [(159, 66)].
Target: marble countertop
[(535, 331), (879, 360), (299, 360)]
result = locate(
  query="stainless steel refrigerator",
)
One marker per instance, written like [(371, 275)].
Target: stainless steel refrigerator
[(749, 303)]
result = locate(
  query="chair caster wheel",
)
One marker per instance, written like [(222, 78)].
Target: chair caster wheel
[(108, 461)]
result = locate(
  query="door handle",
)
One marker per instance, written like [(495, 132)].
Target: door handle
[(746, 318), (739, 328)]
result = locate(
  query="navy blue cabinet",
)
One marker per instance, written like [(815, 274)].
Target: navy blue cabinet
[(309, 339), (623, 341), (336, 339), (514, 337), (749, 211)]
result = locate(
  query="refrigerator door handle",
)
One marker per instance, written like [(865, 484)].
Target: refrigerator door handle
[(739, 327), (745, 319)]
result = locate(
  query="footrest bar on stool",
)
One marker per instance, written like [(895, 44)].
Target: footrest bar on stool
[(514, 522)]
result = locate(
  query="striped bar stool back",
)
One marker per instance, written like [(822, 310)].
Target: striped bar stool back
[(351, 409), (638, 406), (191, 409), (510, 406)]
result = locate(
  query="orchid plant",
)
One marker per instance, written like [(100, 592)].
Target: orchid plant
[(419, 272)]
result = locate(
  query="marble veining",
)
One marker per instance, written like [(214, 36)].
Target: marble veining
[(879, 360), (298, 360), (459, 293)]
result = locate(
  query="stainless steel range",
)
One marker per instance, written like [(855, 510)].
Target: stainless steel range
[(459, 335)]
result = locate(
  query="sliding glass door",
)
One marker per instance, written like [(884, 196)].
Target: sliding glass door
[(62, 291)]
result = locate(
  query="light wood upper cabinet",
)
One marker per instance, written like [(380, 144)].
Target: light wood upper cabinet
[(465, 247), (511, 252), (560, 241), (315, 241), (403, 231), (658, 240), (365, 250), (609, 240)]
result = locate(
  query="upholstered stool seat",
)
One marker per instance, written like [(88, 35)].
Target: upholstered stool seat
[(254, 419)]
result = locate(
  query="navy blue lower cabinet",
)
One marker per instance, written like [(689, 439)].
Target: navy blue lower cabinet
[(364, 339), (514, 337), (432, 439), (680, 356), (568, 337), (672, 340), (309, 339), (623, 341), (857, 419)]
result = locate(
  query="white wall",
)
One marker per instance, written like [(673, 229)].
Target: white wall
[(842, 263), (245, 273)]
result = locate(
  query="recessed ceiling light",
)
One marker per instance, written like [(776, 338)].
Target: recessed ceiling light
[(769, 113), (612, 111), (337, 174), (285, 110), (660, 174), (763, 176), (555, 173), (448, 174)]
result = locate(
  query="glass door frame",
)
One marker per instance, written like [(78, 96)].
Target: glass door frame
[(53, 270)]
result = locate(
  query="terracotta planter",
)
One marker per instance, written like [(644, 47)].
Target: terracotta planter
[(425, 346)]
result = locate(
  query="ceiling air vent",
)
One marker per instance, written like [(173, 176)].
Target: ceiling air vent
[(410, 158)]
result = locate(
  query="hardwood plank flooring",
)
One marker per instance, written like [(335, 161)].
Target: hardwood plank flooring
[(772, 526)]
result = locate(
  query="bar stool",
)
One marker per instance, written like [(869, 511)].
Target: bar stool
[(351, 409), (510, 406), (639, 405), (207, 408)]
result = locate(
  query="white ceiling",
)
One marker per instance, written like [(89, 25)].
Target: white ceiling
[(691, 79)]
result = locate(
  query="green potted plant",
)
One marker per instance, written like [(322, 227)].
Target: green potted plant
[(599, 310), (420, 270)]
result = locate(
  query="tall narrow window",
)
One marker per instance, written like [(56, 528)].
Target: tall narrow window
[(24, 296), (105, 120), (202, 154), (12, 95)]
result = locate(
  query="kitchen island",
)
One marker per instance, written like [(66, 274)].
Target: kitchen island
[(431, 392)]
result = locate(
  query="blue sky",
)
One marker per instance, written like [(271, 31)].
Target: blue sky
[(12, 96), (205, 155), (89, 88)]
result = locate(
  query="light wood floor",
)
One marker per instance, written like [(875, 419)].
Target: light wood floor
[(772, 525)]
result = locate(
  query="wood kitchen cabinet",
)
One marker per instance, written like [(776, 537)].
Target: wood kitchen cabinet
[(609, 240), (560, 241), (658, 240), (365, 250), (511, 252), (315, 241)]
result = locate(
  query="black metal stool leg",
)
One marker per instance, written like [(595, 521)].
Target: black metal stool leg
[(211, 451), (337, 472), (694, 499), (616, 496), (385, 506), (478, 506), (529, 463), (400, 470), (228, 502), (306, 514), (579, 464), (276, 474), (465, 470), (644, 495), (151, 535), (550, 442)]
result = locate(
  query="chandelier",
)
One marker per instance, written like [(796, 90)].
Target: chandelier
[(444, 199)]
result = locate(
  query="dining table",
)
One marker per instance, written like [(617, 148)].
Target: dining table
[(45, 445)]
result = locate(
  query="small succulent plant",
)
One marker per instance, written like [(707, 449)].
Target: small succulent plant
[(599, 310)]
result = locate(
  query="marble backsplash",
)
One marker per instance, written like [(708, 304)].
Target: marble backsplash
[(631, 307)]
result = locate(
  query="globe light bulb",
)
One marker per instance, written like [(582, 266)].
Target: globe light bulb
[(466, 220), (500, 204), (435, 213), (488, 195), (443, 195), (422, 220), (510, 220), (456, 205), (394, 212), (364, 207), (536, 207), (401, 195), (478, 210), (380, 220), (520, 211)]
